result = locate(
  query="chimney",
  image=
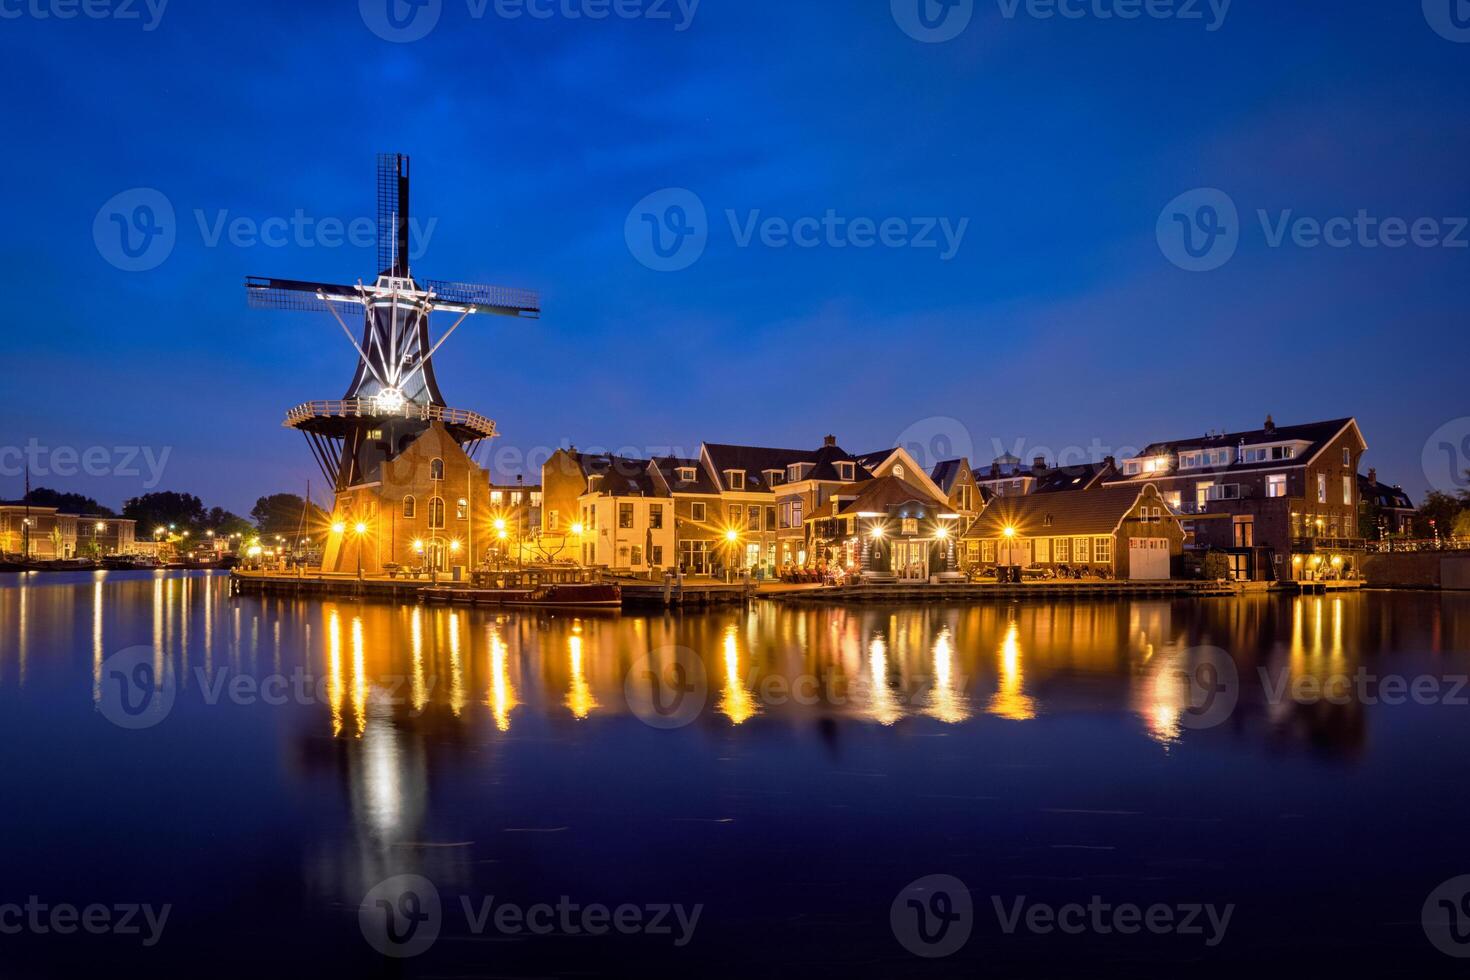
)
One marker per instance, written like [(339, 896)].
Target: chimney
[(1038, 465), (1270, 425), (830, 441), (1373, 475), (1110, 462)]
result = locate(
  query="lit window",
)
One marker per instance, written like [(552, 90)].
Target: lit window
[(1081, 549), (1276, 485), (1321, 488), (1347, 491), (461, 509), (1102, 550)]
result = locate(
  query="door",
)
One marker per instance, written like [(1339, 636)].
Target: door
[(1148, 559)]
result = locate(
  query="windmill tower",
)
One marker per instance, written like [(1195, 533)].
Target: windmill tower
[(391, 447)]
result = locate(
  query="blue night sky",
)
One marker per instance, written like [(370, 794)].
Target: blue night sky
[(1058, 323)]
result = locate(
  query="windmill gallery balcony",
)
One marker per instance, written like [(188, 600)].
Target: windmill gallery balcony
[(304, 416)]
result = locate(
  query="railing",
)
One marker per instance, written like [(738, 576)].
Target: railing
[(369, 408), (1395, 545), (1328, 544)]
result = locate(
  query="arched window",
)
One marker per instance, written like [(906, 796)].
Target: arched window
[(436, 469), (436, 512), (410, 507)]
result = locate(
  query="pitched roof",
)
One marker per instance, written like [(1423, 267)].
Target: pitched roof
[(1393, 498), (887, 492), (1095, 511), (1316, 434), (754, 461), (1079, 477), (668, 467), (622, 476), (946, 472)]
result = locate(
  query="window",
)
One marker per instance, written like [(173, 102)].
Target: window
[(770, 518), (497, 497), (1062, 550), (1276, 485), (793, 473), (656, 556), (461, 509), (1321, 488), (696, 512), (685, 474), (845, 472), (625, 517), (436, 513), (753, 519), (375, 434), (410, 507), (773, 477), (987, 552), (735, 479), (1347, 456), (436, 468), (1102, 550), (1202, 492), (1043, 551), (553, 520), (1174, 499), (1082, 549), (656, 516), (636, 556), (1347, 490), (967, 497), (796, 513)]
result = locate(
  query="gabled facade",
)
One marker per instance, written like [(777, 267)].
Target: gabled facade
[(1128, 531), (894, 526), (619, 514), (1280, 501), (1384, 511)]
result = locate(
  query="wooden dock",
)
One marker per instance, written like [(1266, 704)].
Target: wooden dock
[(1321, 588), (980, 591)]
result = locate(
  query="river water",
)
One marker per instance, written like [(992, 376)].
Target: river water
[(296, 786)]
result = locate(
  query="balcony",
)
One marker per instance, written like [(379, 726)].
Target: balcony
[(1314, 544)]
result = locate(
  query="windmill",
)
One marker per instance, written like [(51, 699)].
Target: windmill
[(393, 397)]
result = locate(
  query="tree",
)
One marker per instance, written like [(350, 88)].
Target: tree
[(224, 523), (281, 513), (154, 510), (1439, 508), (1462, 525), (67, 503)]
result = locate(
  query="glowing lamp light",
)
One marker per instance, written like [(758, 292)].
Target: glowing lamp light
[(577, 529), (1337, 559), (389, 400), (454, 546), (100, 527), (254, 551), (877, 533), (732, 535), (500, 524), (942, 533), (360, 528), (1009, 531), (418, 546), (501, 534), (339, 528)]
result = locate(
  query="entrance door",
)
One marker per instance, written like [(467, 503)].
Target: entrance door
[(1148, 559)]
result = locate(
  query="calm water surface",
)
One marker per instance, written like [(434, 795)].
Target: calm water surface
[(313, 750)]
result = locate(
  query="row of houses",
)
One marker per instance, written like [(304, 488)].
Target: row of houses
[(1279, 502), (27, 530)]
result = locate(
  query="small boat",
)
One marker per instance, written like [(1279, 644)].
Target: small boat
[(545, 587)]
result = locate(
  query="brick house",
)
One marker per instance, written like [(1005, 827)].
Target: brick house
[(623, 512), (1129, 531), (1385, 511), (1279, 501), (698, 515)]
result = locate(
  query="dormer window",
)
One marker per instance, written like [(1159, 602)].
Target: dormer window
[(594, 483), (845, 471), (735, 479), (685, 474), (773, 477)]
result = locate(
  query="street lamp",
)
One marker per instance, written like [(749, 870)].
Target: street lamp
[(360, 528)]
